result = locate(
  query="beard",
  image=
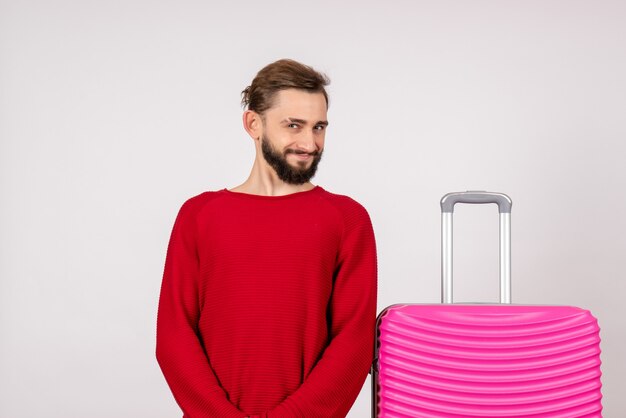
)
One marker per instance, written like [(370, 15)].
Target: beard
[(285, 171)]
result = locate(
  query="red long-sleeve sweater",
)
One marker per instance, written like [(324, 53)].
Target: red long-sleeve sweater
[(268, 305)]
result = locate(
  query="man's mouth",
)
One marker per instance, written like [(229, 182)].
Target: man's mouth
[(301, 154)]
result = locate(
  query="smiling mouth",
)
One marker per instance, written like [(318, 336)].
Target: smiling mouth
[(305, 156), (301, 154), (301, 158)]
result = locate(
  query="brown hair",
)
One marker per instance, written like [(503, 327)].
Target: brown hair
[(281, 75)]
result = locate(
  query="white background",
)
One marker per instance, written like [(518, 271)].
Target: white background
[(112, 113)]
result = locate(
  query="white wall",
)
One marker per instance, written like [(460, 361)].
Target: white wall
[(113, 113)]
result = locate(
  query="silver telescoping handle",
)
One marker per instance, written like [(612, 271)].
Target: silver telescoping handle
[(447, 209)]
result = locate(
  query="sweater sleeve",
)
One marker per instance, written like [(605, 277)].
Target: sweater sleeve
[(334, 383), (179, 351)]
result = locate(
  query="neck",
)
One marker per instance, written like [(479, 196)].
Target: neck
[(264, 181)]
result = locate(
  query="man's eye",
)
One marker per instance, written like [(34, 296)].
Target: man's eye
[(293, 125), (320, 127)]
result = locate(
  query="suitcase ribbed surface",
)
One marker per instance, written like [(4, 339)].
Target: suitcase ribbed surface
[(451, 361)]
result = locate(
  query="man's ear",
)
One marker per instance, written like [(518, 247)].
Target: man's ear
[(253, 124)]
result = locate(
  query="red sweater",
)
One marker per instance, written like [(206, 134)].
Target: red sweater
[(268, 305)]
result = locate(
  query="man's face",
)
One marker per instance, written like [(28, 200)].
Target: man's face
[(292, 141)]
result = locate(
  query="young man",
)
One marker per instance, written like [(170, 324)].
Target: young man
[(268, 300)]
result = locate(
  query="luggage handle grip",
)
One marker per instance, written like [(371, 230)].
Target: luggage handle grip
[(503, 201), (447, 209)]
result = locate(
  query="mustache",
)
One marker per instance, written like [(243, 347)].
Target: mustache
[(300, 152)]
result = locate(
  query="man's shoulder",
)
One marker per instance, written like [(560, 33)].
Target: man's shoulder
[(203, 197), (346, 205), (352, 215), (194, 204)]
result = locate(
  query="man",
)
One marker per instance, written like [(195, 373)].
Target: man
[(268, 300)]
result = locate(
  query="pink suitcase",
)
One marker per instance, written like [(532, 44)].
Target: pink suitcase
[(485, 360)]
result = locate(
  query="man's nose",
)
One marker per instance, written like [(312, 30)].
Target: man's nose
[(306, 142)]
